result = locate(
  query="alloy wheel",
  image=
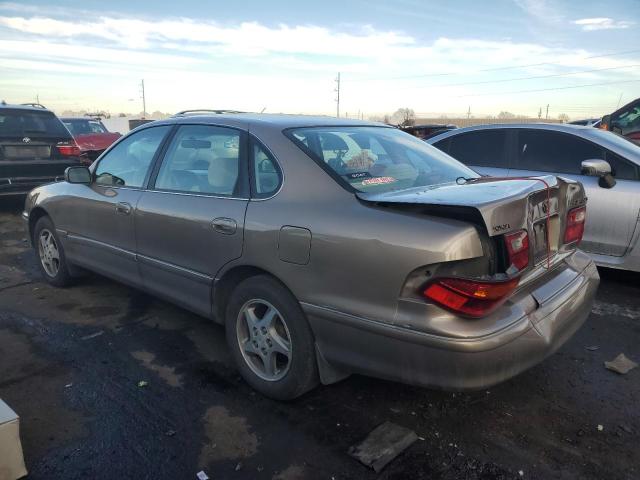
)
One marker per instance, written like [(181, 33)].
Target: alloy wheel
[(48, 252)]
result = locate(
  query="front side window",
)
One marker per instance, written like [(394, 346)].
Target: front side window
[(546, 151), (202, 159), (628, 121), (484, 148), (128, 162), (378, 159)]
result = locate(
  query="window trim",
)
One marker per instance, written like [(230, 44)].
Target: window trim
[(152, 164), (254, 140), (243, 164)]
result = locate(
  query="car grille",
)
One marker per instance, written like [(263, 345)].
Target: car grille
[(31, 152)]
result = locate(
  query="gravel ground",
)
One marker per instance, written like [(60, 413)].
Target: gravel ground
[(71, 362)]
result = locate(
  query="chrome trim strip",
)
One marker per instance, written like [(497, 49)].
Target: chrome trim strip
[(175, 269), (99, 244), (166, 192)]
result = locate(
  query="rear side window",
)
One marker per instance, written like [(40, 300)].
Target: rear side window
[(202, 159), (127, 163), (481, 149), (84, 127), (547, 151), (266, 174), (25, 123)]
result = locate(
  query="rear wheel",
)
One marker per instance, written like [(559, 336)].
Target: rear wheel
[(50, 254), (270, 339)]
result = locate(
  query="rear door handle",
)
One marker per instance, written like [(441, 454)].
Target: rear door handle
[(226, 226), (123, 207)]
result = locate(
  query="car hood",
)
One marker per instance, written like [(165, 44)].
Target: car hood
[(96, 141), (504, 205)]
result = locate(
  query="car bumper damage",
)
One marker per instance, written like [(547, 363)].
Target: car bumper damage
[(552, 312)]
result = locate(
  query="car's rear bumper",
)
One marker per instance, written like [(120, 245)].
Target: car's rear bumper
[(355, 345), (18, 177)]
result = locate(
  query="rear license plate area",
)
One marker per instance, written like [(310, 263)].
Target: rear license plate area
[(26, 152), (545, 241)]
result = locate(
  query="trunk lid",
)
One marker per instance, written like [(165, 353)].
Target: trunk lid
[(498, 207)]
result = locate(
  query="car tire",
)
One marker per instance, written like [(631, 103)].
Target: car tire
[(260, 352), (50, 254)]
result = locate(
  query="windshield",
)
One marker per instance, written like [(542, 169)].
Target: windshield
[(84, 127), (24, 123), (378, 159)]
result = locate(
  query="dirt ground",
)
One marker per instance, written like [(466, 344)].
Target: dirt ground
[(71, 361)]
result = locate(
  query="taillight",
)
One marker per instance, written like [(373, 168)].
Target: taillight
[(68, 149), (575, 225), (472, 298), (518, 248)]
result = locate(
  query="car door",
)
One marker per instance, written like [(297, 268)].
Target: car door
[(611, 212), (100, 217), (190, 222), (482, 150)]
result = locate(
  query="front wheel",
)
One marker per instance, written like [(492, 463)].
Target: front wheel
[(50, 254), (270, 339)]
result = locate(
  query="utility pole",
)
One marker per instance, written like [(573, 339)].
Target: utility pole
[(540, 113), (144, 101), (338, 95), (547, 115), (469, 113)]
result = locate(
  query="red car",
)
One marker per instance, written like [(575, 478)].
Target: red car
[(91, 135), (625, 121)]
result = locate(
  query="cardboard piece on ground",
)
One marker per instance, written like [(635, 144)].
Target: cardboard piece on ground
[(382, 445), (621, 364), (11, 459)]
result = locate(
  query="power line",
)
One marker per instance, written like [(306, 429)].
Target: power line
[(495, 69), (577, 72), (544, 89)]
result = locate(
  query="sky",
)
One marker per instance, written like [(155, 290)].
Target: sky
[(435, 57)]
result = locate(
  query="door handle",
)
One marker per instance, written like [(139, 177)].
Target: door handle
[(123, 207), (226, 226)]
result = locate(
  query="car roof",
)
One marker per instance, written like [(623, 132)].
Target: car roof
[(278, 121), (7, 106), (606, 139)]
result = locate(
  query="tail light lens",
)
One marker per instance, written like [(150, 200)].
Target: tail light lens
[(470, 298), (575, 225), (68, 149), (518, 248)]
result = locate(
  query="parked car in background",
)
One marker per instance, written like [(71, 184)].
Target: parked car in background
[(428, 131), (35, 148), (605, 163), (625, 121), (328, 247), (91, 135), (587, 122)]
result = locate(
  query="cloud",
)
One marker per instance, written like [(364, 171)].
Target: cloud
[(542, 10), (602, 23)]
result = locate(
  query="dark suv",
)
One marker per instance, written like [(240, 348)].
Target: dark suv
[(35, 148)]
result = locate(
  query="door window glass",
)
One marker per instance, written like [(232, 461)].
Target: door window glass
[(265, 172), (621, 168), (483, 148), (202, 159), (547, 151), (128, 162), (628, 121)]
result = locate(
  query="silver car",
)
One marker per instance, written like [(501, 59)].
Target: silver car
[(606, 164), (328, 247)]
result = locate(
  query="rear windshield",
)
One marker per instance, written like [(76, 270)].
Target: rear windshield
[(24, 123), (84, 127), (378, 159)]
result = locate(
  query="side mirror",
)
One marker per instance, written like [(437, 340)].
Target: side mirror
[(77, 174), (601, 169)]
